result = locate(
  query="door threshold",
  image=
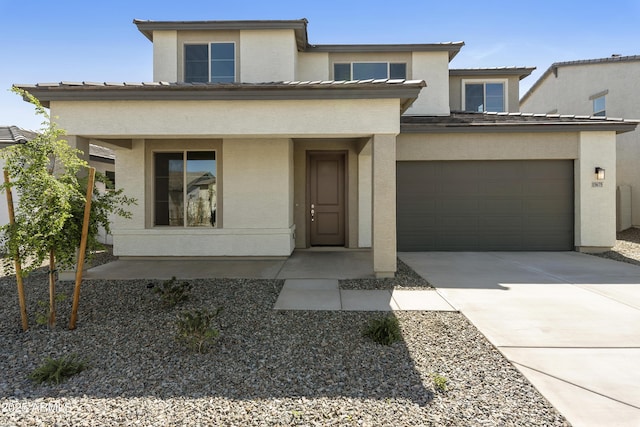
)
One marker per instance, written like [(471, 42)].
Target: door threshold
[(332, 249)]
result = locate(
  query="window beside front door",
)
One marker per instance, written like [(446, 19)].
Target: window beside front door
[(369, 70), (210, 63), (185, 188), (481, 96)]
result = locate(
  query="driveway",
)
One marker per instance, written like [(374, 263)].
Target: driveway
[(569, 322)]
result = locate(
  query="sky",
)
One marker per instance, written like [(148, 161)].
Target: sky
[(70, 40)]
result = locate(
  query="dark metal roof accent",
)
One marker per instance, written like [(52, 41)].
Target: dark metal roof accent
[(521, 72), (299, 26), (15, 135), (406, 90), (553, 68), (512, 122), (452, 47)]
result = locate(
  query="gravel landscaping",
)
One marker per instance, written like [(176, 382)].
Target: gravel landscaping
[(268, 367), (627, 248), (405, 278)]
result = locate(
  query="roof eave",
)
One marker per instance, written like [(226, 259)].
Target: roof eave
[(453, 48), (618, 127)]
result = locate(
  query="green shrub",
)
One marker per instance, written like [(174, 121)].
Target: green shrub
[(55, 371), (172, 293), (195, 330), (385, 330), (439, 382)]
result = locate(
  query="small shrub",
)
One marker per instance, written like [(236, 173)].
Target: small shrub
[(195, 330), (172, 293), (385, 330), (55, 371), (439, 382)]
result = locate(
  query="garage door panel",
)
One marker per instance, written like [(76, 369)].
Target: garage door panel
[(485, 205)]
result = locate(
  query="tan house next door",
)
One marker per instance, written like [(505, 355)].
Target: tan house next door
[(326, 202)]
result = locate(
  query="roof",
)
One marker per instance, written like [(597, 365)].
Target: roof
[(553, 68), (512, 122), (299, 26), (521, 72), (15, 135), (406, 90), (452, 47)]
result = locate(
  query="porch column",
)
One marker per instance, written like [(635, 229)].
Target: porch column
[(384, 205), (79, 143)]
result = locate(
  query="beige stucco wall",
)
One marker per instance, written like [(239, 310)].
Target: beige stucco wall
[(165, 56), (103, 167), (267, 55), (364, 196), (512, 87), (433, 68), (301, 148), (312, 66), (487, 146), (595, 207), (255, 214), (312, 118), (384, 205), (569, 93)]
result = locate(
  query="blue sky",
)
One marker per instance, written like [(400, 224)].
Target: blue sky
[(96, 41)]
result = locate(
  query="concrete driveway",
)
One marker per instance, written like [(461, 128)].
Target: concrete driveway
[(569, 322)]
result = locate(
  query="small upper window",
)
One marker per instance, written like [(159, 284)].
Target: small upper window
[(599, 106), (485, 96), (369, 70), (213, 63)]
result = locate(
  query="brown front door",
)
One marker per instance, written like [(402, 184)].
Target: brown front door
[(326, 205)]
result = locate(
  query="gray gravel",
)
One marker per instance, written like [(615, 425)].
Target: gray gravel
[(405, 278), (268, 368), (627, 248)]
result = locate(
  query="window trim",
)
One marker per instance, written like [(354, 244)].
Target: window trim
[(595, 97), (333, 68), (505, 85), (184, 152), (209, 43)]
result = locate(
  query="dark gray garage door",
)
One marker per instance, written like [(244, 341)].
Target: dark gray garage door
[(485, 205)]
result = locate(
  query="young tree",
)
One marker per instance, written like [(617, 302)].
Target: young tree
[(48, 216)]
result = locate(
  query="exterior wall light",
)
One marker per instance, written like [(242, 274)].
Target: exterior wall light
[(599, 174)]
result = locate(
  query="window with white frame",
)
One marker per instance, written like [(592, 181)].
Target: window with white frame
[(185, 188), (210, 63), (481, 96), (599, 106), (369, 70)]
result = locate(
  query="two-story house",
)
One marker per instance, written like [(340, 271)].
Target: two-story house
[(250, 141), (599, 87)]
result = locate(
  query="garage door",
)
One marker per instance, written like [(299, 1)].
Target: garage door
[(485, 205)]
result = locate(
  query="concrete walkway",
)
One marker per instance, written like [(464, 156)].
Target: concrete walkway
[(569, 322), (311, 279)]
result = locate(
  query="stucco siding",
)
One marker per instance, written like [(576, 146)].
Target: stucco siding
[(487, 146), (267, 55), (312, 66), (433, 68), (310, 118), (165, 56)]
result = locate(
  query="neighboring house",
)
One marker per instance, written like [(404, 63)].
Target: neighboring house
[(103, 159), (298, 145), (599, 87)]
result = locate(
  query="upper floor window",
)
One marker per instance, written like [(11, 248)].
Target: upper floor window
[(369, 70), (599, 106), (484, 96), (213, 62)]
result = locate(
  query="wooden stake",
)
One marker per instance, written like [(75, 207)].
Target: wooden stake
[(21, 298), (83, 248), (52, 289)]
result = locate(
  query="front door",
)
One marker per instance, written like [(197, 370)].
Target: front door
[(326, 205)]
